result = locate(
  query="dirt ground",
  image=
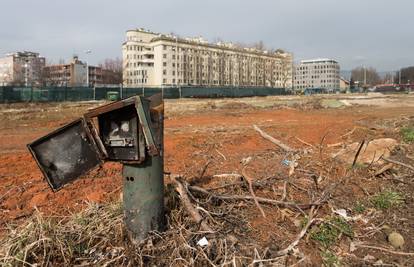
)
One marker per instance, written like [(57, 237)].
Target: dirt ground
[(217, 136)]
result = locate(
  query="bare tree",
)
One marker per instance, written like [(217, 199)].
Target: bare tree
[(259, 45), (112, 71), (369, 76), (286, 66), (388, 78)]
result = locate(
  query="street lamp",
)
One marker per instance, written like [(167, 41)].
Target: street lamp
[(87, 52)]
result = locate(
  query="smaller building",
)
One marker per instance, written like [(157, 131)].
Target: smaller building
[(344, 85), (21, 69), (74, 74), (317, 73)]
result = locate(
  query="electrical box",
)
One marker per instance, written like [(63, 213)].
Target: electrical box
[(127, 131), (66, 153)]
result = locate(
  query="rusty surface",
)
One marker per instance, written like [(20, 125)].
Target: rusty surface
[(65, 154)]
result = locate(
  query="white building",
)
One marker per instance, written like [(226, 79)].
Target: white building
[(21, 68), (152, 59), (317, 73)]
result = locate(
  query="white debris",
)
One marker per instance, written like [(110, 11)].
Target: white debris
[(202, 242)]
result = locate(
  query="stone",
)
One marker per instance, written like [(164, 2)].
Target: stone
[(396, 240), (370, 152)]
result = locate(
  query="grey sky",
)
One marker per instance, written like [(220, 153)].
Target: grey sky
[(378, 33)]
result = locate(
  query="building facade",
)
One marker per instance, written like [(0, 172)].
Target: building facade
[(151, 59), (74, 74), (344, 85), (21, 69), (317, 73)]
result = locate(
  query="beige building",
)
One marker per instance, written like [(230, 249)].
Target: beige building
[(152, 59), (21, 68), (73, 74), (317, 73), (344, 84)]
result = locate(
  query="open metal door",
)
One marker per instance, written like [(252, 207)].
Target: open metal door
[(66, 154)]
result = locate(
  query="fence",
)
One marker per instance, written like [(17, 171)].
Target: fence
[(59, 94)]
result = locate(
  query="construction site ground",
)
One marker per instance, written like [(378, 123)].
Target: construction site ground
[(207, 137)]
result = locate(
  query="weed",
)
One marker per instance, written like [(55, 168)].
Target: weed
[(359, 207), (329, 259), (407, 134), (387, 199), (328, 232)]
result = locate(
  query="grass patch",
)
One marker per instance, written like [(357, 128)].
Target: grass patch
[(330, 231), (359, 207), (387, 199), (407, 134), (329, 259)]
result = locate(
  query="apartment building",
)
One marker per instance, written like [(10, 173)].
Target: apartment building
[(74, 74), (317, 73), (21, 68), (153, 59)]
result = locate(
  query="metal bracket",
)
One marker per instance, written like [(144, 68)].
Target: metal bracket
[(145, 120)]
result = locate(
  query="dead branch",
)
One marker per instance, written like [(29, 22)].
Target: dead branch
[(228, 175), (221, 154), (348, 133), (304, 142), (259, 199), (249, 181), (385, 250), (204, 169), (399, 163), (336, 144), (189, 207), (384, 169), (302, 233), (357, 154), (273, 140), (321, 144)]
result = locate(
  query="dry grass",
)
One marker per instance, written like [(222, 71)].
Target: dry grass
[(97, 237)]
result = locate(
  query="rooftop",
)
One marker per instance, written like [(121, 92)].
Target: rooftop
[(317, 60)]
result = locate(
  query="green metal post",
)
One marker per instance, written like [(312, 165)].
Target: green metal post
[(144, 183), (144, 197)]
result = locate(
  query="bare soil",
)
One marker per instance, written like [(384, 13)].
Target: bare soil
[(220, 133)]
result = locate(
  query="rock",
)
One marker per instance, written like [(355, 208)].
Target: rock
[(396, 240), (369, 258), (370, 152)]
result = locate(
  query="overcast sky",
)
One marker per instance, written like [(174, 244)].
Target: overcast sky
[(378, 33)]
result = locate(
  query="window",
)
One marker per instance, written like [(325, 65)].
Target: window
[(164, 47), (164, 80), (164, 64), (164, 72), (164, 55)]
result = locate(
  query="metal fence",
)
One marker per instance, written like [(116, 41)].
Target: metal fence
[(60, 94)]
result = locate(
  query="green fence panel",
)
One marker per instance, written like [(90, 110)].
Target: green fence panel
[(152, 91), (171, 92), (128, 92), (59, 94)]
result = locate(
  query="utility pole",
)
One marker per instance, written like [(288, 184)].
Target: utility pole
[(365, 76), (176, 60), (87, 68), (399, 76)]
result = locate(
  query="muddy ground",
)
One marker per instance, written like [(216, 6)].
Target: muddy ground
[(205, 137)]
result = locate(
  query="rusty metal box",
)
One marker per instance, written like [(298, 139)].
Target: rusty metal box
[(65, 154)]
